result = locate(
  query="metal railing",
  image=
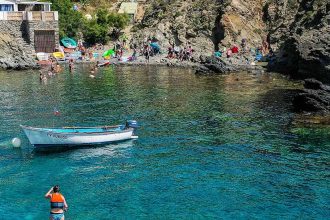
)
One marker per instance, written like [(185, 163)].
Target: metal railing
[(29, 15)]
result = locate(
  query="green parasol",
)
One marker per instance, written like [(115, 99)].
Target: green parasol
[(108, 53)]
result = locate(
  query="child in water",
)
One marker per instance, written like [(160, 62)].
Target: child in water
[(94, 69), (42, 77), (58, 68)]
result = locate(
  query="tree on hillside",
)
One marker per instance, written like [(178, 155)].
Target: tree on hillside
[(99, 29), (95, 33), (69, 20), (118, 22), (102, 17), (84, 3), (93, 3)]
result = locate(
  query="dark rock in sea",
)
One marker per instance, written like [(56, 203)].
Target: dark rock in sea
[(315, 84), (312, 84), (202, 70), (314, 98), (239, 62), (213, 65)]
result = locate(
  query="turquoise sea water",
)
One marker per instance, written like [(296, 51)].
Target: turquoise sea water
[(209, 147)]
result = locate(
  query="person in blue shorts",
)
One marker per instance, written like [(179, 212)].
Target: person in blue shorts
[(57, 203)]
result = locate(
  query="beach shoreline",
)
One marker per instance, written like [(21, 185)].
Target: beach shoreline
[(203, 65)]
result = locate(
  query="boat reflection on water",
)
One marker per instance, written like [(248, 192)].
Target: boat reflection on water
[(88, 150), (120, 149)]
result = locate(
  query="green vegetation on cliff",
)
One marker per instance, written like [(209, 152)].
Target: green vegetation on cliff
[(70, 20), (99, 29)]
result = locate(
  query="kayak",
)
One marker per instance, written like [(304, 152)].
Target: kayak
[(104, 64), (58, 55), (41, 56), (69, 43)]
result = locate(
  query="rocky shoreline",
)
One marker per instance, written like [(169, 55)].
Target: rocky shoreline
[(14, 55), (315, 97), (213, 65), (203, 65)]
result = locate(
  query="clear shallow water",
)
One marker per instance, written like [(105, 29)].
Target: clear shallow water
[(208, 147)]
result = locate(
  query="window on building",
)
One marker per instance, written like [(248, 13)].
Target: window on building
[(6, 7), (46, 7), (26, 7)]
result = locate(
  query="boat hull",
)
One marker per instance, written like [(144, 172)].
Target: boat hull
[(46, 138)]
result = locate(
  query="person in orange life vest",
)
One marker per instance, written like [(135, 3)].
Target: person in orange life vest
[(57, 203)]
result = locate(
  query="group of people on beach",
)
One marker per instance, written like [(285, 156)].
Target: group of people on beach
[(181, 53), (146, 49), (87, 53), (150, 47), (133, 49), (259, 52)]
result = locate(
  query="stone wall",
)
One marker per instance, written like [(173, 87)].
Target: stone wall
[(43, 25), (18, 29), (17, 49), (23, 31)]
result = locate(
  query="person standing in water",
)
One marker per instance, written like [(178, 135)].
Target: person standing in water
[(71, 65), (57, 203)]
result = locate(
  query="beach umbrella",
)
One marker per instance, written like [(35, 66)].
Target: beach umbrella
[(155, 45), (108, 53)]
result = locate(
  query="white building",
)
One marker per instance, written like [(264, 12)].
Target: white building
[(129, 8), (31, 23), (21, 5)]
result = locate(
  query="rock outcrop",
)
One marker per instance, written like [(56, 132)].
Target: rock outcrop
[(213, 65), (13, 55), (16, 51), (300, 30), (315, 97)]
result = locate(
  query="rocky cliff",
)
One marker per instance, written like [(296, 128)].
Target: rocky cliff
[(206, 24), (300, 31), (14, 55)]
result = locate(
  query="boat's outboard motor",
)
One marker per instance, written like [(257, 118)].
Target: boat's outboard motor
[(132, 124)]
